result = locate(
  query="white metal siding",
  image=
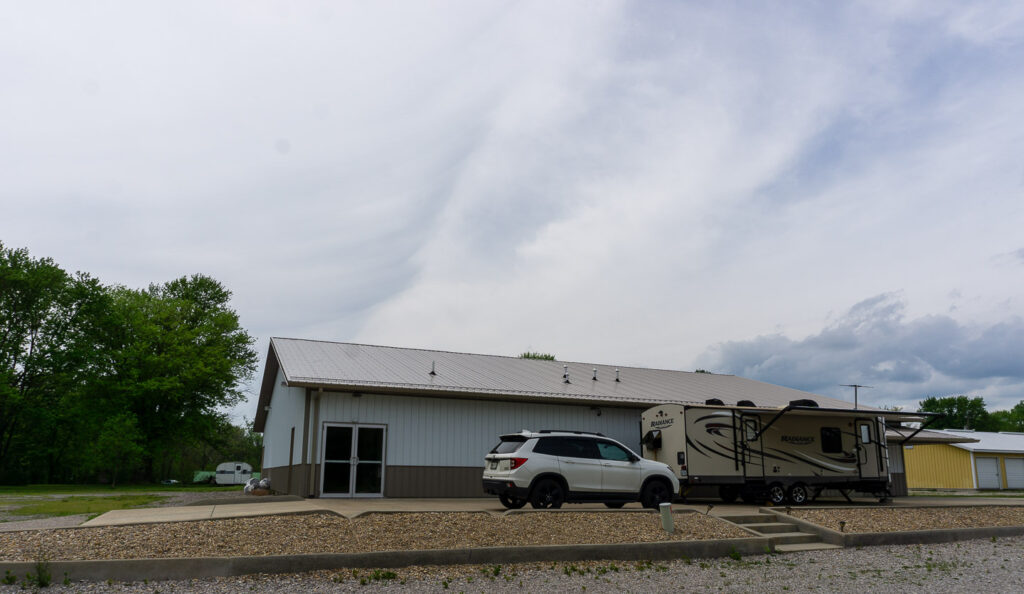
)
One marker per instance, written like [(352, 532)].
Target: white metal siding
[(1014, 473), (425, 431), (988, 473), (286, 411)]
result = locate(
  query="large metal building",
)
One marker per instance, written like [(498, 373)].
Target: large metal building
[(354, 420)]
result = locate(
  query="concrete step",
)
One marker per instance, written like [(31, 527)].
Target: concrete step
[(770, 527), (794, 538), (750, 519), (805, 546)]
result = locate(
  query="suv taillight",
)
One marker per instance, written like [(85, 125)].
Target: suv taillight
[(516, 463)]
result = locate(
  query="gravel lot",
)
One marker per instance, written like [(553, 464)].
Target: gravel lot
[(971, 566), (327, 533), (910, 518)]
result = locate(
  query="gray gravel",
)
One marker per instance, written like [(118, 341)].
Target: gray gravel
[(970, 566)]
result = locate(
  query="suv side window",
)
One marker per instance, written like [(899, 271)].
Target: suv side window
[(551, 446), (610, 451), (580, 447)]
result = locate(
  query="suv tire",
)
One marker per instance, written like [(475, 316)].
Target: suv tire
[(511, 501), (547, 494), (654, 493)]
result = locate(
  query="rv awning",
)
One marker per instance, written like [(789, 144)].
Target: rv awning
[(923, 418)]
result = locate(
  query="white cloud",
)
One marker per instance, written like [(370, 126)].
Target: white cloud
[(617, 182)]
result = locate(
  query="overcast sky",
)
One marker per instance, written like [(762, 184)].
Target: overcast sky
[(810, 194)]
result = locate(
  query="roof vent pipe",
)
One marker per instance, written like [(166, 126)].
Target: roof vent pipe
[(595, 374), (565, 374), (616, 375), (432, 368)]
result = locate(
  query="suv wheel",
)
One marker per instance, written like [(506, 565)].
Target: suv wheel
[(655, 493), (547, 494), (511, 502)]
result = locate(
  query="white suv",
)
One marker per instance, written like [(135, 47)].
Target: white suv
[(549, 468)]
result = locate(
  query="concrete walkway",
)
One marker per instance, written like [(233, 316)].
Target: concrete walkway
[(351, 508)]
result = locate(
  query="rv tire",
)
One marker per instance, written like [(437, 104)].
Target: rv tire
[(776, 493), (728, 493), (798, 494), (614, 504), (654, 493), (547, 494)]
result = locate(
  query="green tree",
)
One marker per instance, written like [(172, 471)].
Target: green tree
[(47, 323), (1010, 420), (118, 446), (146, 372), (959, 412), (536, 355), (178, 356)]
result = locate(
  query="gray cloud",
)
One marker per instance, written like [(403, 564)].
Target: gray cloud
[(903, 360)]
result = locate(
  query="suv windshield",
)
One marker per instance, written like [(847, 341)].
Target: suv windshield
[(508, 444)]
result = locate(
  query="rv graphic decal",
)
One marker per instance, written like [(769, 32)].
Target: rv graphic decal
[(797, 439), (717, 428)]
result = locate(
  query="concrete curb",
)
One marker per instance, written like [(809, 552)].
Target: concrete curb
[(134, 570)]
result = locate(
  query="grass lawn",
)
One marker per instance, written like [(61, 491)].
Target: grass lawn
[(83, 504), (16, 490), (67, 500)]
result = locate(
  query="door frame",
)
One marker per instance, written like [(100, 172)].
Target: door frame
[(872, 450), (749, 454), (353, 466)]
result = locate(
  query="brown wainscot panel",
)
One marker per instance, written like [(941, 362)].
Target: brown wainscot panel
[(433, 481)]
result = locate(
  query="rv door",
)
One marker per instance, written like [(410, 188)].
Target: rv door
[(868, 452), (752, 454)]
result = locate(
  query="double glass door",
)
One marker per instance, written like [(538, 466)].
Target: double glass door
[(353, 460)]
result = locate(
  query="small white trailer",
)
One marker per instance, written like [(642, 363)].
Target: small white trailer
[(781, 454), (233, 473)]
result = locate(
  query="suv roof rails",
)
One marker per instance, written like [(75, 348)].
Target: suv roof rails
[(568, 431)]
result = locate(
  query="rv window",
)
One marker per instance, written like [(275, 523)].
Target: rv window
[(751, 425), (865, 433), (831, 440)]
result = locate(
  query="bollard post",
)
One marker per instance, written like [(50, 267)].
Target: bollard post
[(666, 517)]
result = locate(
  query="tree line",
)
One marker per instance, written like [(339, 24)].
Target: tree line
[(964, 412), (108, 383)]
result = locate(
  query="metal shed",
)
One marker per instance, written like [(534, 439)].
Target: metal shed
[(355, 420), (987, 461)]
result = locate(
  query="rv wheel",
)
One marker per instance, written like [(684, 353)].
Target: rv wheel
[(776, 493), (511, 502), (614, 504), (728, 493), (798, 494)]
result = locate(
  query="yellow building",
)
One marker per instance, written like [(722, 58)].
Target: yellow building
[(993, 461)]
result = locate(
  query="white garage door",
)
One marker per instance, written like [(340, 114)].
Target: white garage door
[(1014, 473), (988, 473)]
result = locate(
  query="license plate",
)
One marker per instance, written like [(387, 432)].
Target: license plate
[(494, 465)]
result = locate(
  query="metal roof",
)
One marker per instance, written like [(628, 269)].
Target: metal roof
[(1003, 442), (359, 367)]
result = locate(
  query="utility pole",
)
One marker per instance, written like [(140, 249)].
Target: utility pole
[(855, 388)]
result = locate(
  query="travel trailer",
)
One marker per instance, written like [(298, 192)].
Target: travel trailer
[(233, 473), (789, 453)]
